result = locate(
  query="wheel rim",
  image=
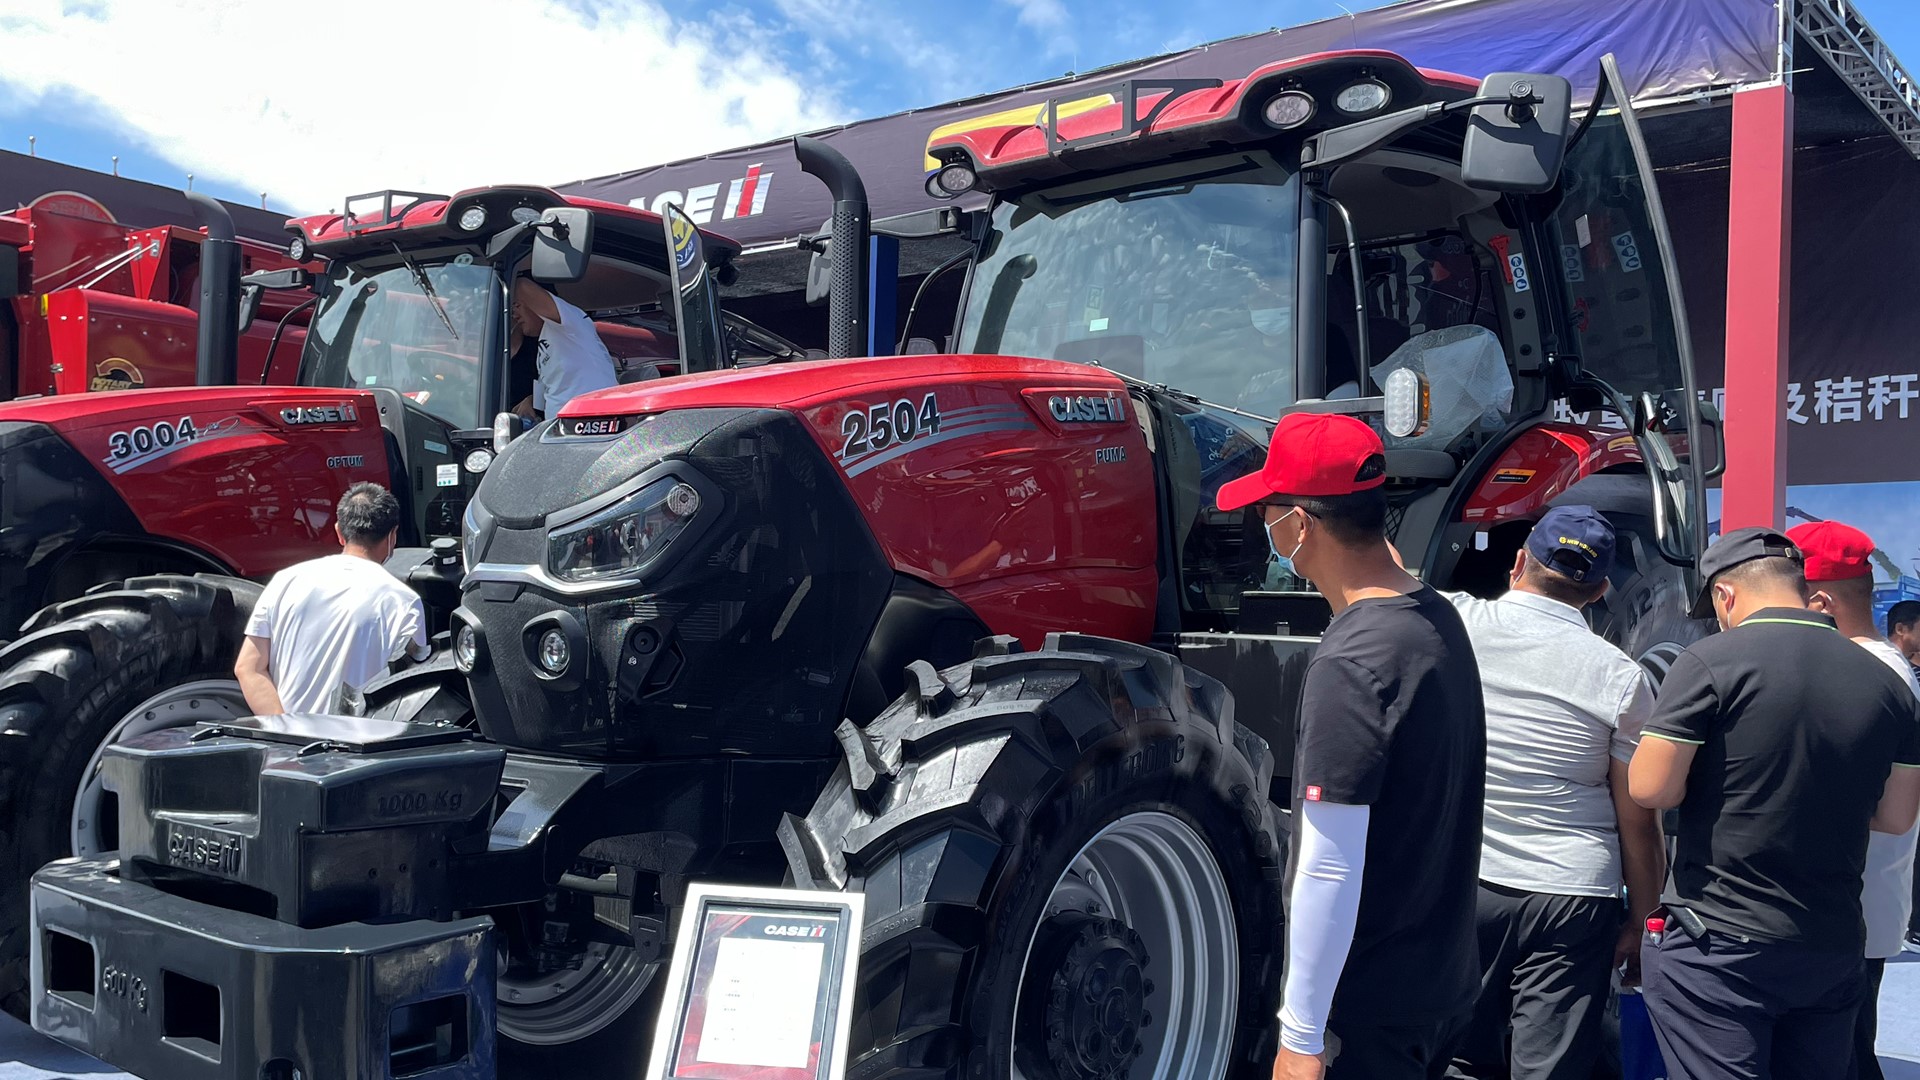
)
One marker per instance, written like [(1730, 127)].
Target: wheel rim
[(567, 1006), (1658, 659), (1137, 940), (94, 823)]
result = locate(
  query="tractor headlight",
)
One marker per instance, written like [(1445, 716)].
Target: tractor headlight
[(473, 218), (953, 180), (1365, 96), (1289, 109), (625, 537), (297, 249), (554, 652), (466, 648)]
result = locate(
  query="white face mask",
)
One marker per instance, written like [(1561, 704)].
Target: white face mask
[(1285, 562)]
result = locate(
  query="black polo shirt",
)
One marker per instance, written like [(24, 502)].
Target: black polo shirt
[(1392, 718), (1797, 729)]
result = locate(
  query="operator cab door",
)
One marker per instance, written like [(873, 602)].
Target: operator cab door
[(696, 296), (1624, 320)]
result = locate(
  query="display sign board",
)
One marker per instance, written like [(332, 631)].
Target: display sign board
[(760, 987)]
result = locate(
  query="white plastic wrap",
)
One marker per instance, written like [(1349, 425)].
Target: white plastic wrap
[(1468, 381)]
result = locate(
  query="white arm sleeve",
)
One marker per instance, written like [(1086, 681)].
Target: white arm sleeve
[(1325, 906)]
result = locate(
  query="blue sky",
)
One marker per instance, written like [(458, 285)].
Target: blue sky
[(309, 110)]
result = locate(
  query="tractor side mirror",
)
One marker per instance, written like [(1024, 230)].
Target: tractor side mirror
[(1517, 141), (562, 240), (506, 425), (250, 295), (820, 266)]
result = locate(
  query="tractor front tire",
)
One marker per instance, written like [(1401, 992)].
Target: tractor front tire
[(126, 658), (1070, 868)]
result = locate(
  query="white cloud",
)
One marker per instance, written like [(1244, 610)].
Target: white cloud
[(314, 103), (1047, 16)]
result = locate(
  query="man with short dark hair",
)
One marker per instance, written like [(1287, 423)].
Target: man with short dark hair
[(325, 628), (1840, 571), (569, 357), (1388, 772), (1781, 743), (1562, 836), (1903, 629)]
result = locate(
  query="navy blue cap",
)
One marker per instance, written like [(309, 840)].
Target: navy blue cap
[(1575, 541)]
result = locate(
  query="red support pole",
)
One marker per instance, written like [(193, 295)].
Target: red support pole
[(1759, 279)]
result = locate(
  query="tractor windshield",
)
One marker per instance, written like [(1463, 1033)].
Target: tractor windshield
[(417, 328), (1189, 284)]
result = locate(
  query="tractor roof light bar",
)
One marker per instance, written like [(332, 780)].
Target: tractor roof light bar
[(1131, 121), (1843, 38), (353, 221)]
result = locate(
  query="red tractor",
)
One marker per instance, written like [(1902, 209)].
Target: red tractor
[(90, 305), (199, 493), (965, 633)]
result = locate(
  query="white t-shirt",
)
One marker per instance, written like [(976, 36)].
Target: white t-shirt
[(1562, 702), (571, 360), (332, 622), (1886, 893)]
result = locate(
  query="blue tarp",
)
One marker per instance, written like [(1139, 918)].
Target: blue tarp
[(1666, 48)]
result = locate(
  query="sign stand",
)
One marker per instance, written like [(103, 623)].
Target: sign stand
[(760, 986)]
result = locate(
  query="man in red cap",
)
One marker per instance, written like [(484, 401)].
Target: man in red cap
[(1388, 776), (1840, 576)]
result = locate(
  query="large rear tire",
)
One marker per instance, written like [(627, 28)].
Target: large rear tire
[(149, 653), (1070, 866)]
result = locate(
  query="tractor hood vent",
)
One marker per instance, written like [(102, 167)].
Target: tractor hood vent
[(543, 471)]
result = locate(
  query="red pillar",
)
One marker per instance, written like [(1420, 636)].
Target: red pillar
[(1759, 245)]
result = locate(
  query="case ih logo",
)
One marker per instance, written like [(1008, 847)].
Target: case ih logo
[(787, 930), (745, 196), (1106, 409), (320, 414)]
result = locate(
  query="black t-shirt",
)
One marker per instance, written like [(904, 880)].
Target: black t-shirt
[(1797, 728), (1392, 718)]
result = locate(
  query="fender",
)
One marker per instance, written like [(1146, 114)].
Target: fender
[(1540, 464), (246, 475)]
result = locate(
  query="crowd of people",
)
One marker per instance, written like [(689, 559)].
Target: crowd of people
[(1478, 854)]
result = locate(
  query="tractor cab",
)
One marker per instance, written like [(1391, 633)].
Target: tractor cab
[(1298, 239), (414, 308)]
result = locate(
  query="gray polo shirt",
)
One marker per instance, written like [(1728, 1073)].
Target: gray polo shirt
[(1561, 702)]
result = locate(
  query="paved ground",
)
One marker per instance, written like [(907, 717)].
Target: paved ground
[(26, 1056)]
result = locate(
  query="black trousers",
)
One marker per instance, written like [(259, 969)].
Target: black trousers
[(1544, 963), (1866, 1027), (1726, 1009), (1368, 1051)]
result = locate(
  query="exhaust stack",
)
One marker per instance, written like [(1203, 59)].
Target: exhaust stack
[(218, 357), (847, 291)]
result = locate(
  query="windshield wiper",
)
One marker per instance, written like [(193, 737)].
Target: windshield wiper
[(426, 289), (1174, 391)]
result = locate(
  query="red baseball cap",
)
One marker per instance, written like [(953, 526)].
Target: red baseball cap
[(1834, 552), (1312, 455)]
